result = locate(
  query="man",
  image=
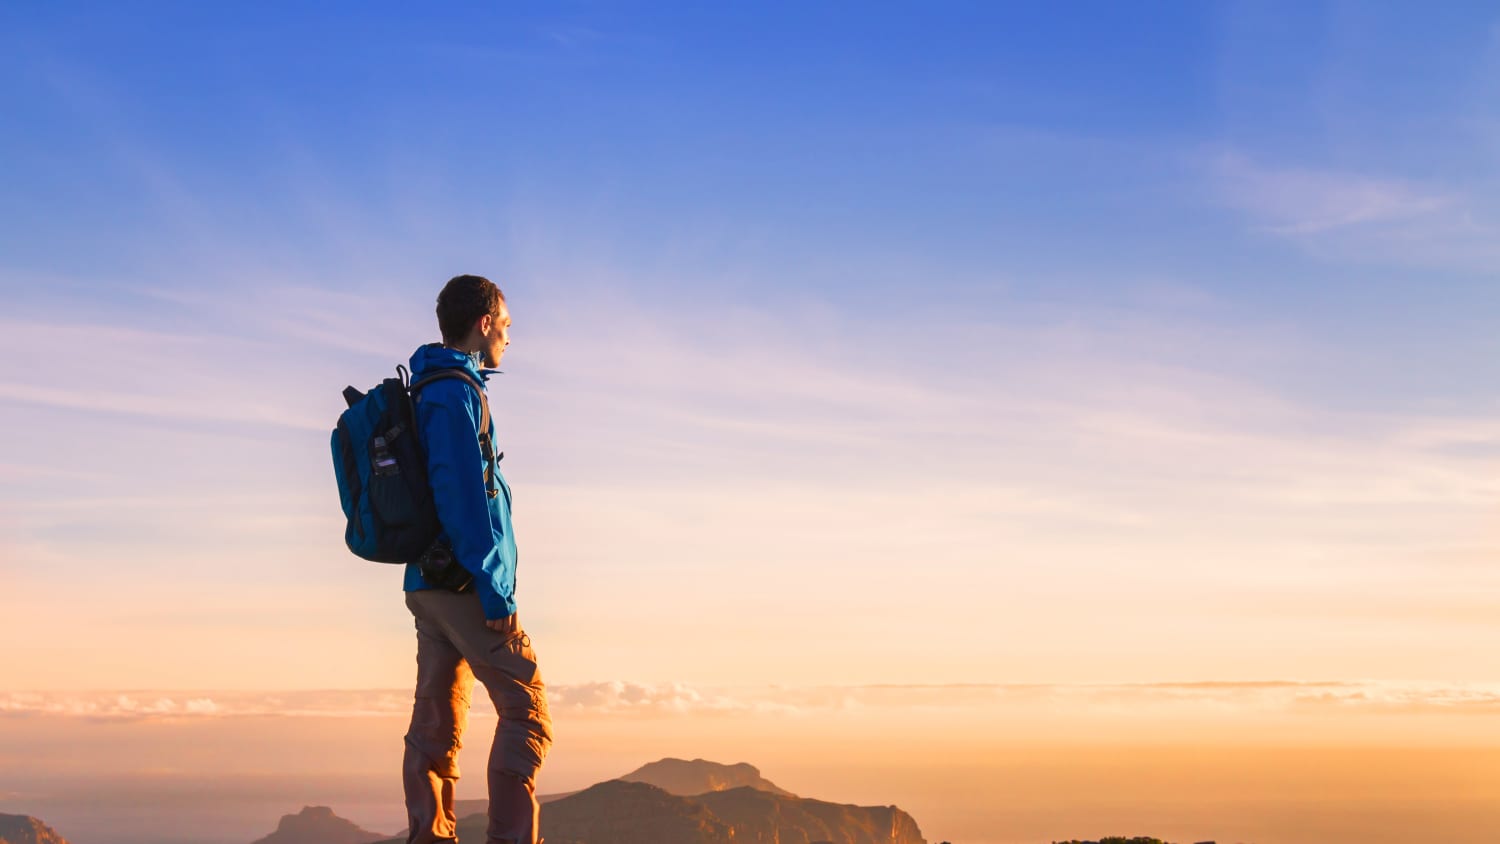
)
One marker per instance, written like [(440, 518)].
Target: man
[(467, 625)]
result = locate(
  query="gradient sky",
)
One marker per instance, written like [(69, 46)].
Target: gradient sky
[(1093, 346)]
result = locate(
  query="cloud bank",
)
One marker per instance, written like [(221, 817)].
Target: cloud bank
[(622, 698)]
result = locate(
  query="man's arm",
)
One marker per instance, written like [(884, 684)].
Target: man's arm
[(455, 469)]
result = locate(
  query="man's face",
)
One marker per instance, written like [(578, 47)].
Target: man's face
[(495, 333)]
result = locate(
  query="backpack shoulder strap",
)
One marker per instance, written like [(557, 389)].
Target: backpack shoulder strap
[(486, 441), (443, 374)]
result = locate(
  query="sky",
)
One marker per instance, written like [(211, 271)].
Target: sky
[(1076, 372)]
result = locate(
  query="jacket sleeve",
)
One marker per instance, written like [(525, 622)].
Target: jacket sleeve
[(455, 469)]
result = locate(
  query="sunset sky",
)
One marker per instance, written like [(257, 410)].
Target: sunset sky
[(1095, 373)]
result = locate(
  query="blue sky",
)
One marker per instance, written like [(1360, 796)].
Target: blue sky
[(972, 153), (840, 314)]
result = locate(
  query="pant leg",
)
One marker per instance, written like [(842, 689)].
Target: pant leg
[(507, 666), (440, 711), (522, 738), (513, 680)]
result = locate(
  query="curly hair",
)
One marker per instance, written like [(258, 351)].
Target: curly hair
[(464, 299)]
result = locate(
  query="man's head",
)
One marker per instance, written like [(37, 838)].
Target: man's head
[(472, 315)]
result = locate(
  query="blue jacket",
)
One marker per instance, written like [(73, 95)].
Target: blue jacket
[(477, 526)]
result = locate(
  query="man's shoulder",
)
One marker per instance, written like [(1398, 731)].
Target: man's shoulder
[(452, 391), (450, 376)]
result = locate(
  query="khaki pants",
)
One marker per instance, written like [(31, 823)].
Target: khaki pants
[(454, 646)]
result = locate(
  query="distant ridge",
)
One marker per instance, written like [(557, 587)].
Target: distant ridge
[(319, 825), (620, 812), (682, 777), (700, 776), (762, 816), (712, 804), (611, 813), (24, 829), (480, 806)]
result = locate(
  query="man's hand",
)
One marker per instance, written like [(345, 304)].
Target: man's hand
[(509, 624)]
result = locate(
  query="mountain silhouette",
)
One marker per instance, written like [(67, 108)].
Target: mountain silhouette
[(686, 778), (479, 806), (620, 812), (760, 816), (318, 825), (713, 804), (674, 776), (24, 829), (617, 812)]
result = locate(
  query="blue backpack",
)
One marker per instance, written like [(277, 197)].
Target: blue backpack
[(382, 470)]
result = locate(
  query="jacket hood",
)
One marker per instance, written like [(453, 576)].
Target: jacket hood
[(435, 356)]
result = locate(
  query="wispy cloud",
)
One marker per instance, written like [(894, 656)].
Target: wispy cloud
[(153, 374), (1303, 201), (1364, 218), (618, 698)]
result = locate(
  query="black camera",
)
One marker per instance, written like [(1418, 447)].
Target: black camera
[(442, 571)]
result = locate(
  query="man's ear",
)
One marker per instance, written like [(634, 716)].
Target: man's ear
[(485, 324)]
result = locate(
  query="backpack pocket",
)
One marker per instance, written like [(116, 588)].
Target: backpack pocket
[(393, 494)]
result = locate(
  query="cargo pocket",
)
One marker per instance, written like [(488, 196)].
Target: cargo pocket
[(514, 656)]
